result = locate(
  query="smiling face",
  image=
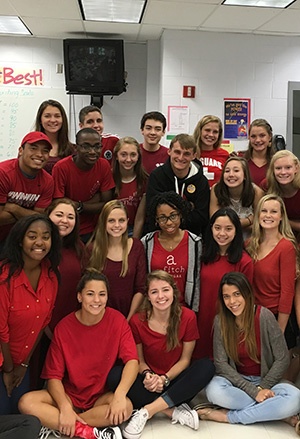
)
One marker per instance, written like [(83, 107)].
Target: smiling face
[(51, 120), (88, 150), (209, 136), (168, 219), (117, 223), (64, 217), (94, 120), (180, 159), (233, 300), (33, 157), (234, 174), (285, 170), (223, 232), (36, 243), (93, 299), (160, 294), (270, 215), (259, 139), (127, 156), (153, 131)]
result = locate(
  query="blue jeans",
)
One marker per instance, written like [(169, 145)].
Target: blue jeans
[(9, 405), (245, 410)]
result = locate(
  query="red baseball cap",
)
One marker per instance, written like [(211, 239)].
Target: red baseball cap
[(36, 136)]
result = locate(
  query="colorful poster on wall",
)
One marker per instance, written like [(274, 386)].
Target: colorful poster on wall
[(236, 118)]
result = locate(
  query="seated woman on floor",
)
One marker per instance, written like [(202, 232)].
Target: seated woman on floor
[(165, 333), (85, 347), (250, 356)]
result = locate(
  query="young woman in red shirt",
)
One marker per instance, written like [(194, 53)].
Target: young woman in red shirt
[(28, 288)]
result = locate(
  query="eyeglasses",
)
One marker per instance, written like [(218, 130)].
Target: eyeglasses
[(89, 147), (164, 219)]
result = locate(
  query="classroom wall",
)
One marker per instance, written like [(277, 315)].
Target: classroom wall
[(218, 64), (227, 65), (19, 103)]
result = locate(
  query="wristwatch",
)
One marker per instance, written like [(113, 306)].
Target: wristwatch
[(167, 380), (80, 207)]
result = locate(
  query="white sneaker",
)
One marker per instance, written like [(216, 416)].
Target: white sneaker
[(45, 433), (186, 416), (108, 433), (135, 426)]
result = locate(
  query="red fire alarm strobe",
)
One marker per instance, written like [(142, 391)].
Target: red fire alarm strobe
[(189, 91)]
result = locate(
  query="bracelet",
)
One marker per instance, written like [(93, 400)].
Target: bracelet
[(250, 221), (260, 388), (7, 371), (145, 371), (24, 365)]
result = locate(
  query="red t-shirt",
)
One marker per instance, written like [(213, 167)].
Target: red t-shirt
[(154, 344), (213, 162), (25, 312), (174, 261), (108, 144), (129, 197), (79, 185), (248, 366), (258, 174), (122, 289), (26, 192), (274, 278), (70, 268), (152, 159), (82, 356)]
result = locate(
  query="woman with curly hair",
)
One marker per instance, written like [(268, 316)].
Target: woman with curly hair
[(28, 288), (172, 247), (165, 334), (236, 190), (208, 135), (52, 120), (131, 182)]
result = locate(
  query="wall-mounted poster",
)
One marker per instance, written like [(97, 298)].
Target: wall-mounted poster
[(236, 118)]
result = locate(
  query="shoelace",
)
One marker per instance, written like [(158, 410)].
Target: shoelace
[(107, 433), (45, 433)]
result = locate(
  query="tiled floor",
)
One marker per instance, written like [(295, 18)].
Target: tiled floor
[(159, 427)]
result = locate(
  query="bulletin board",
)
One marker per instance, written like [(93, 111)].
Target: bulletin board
[(18, 108), (236, 118)]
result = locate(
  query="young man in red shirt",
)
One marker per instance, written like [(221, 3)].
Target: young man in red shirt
[(86, 179), (153, 127), (25, 187)]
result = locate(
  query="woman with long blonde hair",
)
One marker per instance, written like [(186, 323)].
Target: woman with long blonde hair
[(274, 250), (121, 258), (283, 179)]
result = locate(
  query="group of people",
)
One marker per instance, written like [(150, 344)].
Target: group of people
[(126, 273)]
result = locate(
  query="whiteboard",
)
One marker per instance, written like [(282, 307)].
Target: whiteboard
[(18, 108)]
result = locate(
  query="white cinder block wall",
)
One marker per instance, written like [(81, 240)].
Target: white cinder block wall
[(225, 65)]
